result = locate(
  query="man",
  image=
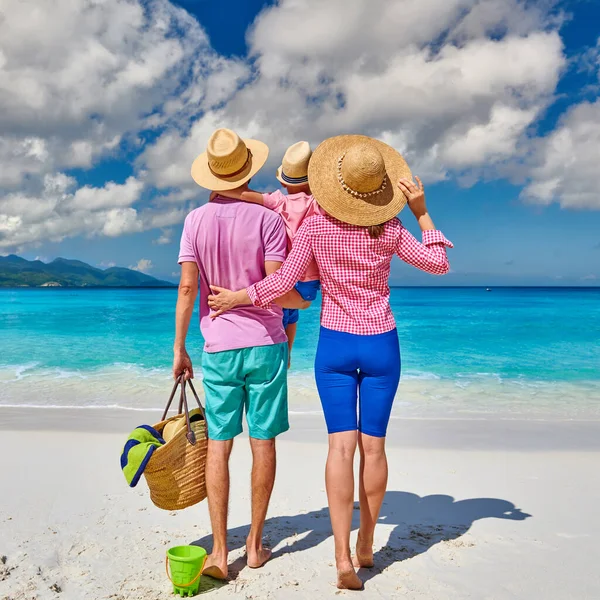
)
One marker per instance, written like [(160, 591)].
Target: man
[(233, 244)]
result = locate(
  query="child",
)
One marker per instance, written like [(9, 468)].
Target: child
[(295, 206)]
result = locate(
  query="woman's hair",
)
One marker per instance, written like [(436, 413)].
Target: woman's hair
[(376, 230)]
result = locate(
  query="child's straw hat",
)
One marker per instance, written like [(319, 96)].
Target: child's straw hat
[(294, 166)]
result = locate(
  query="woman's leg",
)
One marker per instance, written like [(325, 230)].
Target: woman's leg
[(339, 480), (372, 485), (337, 382), (378, 383)]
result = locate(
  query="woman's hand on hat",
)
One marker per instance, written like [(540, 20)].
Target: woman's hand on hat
[(415, 194), (221, 300)]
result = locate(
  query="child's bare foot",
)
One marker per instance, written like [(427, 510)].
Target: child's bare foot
[(257, 557), (364, 555), (347, 579), (216, 566)]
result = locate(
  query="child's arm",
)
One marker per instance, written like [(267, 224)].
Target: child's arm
[(274, 201), (247, 196), (252, 197)]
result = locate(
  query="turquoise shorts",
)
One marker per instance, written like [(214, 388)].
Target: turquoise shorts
[(254, 379)]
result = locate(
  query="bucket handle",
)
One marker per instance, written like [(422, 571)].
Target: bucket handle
[(184, 585), (183, 405)]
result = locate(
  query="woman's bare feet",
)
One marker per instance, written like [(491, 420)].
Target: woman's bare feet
[(257, 557), (347, 579), (215, 567), (364, 555)]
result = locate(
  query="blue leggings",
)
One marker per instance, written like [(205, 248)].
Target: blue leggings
[(364, 367)]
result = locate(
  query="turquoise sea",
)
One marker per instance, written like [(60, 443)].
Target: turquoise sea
[(467, 352)]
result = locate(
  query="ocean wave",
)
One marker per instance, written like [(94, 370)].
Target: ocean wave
[(121, 407), (21, 371), (132, 387), (82, 407), (421, 375), (301, 377)]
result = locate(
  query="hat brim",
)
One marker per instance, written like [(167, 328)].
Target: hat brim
[(287, 183), (331, 196), (278, 175), (205, 178)]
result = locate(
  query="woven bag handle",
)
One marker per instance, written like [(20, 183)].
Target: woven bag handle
[(197, 399), (200, 407), (183, 406), (177, 382)]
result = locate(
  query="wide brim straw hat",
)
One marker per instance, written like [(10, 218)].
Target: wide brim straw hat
[(229, 161), (294, 166), (355, 178)]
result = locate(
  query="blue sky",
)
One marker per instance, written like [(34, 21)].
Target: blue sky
[(496, 105)]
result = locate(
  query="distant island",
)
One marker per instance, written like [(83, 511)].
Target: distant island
[(61, 272)]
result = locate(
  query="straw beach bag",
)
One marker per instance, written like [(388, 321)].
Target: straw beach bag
[(176, 471)]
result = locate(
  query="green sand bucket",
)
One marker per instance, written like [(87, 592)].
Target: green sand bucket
[(185, 563)]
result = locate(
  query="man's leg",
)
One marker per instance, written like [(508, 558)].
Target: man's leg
[(225, 398), (267, 416), (217, 487), (263, 478)]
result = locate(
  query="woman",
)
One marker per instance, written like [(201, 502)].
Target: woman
[(358, 355)]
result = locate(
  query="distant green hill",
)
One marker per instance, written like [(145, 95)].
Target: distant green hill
[(18, 272)]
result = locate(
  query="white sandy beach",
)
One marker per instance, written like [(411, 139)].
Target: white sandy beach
[(478, 509)]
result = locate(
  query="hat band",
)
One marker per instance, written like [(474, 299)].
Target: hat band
[(294, 180), (229, 175), (354, 193)]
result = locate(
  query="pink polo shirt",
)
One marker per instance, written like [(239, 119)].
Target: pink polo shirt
[(230, 241), (294, 208)]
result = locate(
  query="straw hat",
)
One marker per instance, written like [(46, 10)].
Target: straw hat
[(294, 166), (355, 179), (173, 426), (229, 161)]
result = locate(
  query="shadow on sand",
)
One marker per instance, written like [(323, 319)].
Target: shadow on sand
[(419, 523)]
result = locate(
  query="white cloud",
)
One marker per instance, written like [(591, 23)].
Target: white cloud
[(108, 265), (454, 84), (111, 195), (119, 221), (144, 265), (76, 77), (166, 237), (565, 168), (589, 278), (484, 143), (77, 80), (590, 60), (58, 212)]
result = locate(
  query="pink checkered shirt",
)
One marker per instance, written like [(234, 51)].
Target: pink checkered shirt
[(354, 268)]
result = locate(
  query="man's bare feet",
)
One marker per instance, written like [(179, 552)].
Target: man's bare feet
[(347, 579), (364, 555), (257, 557), (215, 567)]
